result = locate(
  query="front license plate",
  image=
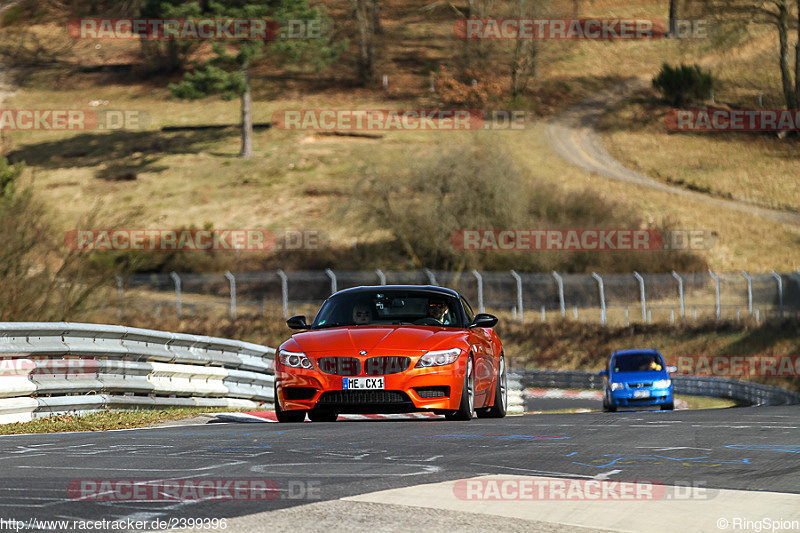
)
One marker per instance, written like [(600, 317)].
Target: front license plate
[(641, 394), (362, 383)]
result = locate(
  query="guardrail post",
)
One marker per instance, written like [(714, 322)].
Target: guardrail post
[(746, 276), (779, 279), (177, 280), (680, 293), (119, 292), (431, 277), (603, 318), (284, 292), (479, 278), (331, 275), (232, 281), (560, 283), (642, 299), (381, 276), (716, 282), (519, 293)]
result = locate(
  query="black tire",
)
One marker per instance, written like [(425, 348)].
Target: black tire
[(467, 405), (499, 409), (322, 415), (607, 407), (668, 406), (286, 416)]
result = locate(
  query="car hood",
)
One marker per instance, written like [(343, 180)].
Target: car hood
[(635, 377), (377, 337)]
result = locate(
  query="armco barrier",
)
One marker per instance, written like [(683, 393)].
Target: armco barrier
[(742, 391), (55, 368)]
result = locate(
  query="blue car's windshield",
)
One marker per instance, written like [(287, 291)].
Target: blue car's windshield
[(637, 362), (406, 307)]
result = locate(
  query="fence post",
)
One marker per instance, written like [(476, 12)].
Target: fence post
[(284, 292), (560, 282), (642, 299), (519, 293), (716, 282), (119, 292), (232, 281), (431, 277), (331, 275), (780, 291), (381, 276), (746, 276), (603, 319), (481, 308), (176, 279), (680, 292)]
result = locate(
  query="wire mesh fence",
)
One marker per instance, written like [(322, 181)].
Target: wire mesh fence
[(611, 298)]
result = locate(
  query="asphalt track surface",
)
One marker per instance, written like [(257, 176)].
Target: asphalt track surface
[(755, 449), (555, 404)]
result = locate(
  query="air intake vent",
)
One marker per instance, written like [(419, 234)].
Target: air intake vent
[(340, 366)]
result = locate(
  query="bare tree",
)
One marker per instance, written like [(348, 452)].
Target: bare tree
[(785, 17), (524, 54), (365, 18)]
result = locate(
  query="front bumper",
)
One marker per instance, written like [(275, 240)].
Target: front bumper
[(411, 390), (629, 398)]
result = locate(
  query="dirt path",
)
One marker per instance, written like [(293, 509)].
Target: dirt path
[(574, 136)]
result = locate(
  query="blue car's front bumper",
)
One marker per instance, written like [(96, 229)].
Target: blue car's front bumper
[(634, 397)]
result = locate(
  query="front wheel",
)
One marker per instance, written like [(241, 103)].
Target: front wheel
[(498, 410), (286, 416), (467, 405), (608, 407)]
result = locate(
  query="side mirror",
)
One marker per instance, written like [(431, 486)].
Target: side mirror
[(484, 320), (603, 373), (297, 322), (672, 369)]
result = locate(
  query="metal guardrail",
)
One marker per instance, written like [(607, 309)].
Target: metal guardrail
[(742, 391), (53, 368)]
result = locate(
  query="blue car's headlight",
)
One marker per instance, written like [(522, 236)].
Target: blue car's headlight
[(617, 386), (662, 383)]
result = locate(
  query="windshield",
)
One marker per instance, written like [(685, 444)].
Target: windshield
[(638, 362), (364, 308)]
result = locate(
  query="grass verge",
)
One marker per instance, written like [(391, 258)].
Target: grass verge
[(105, 420)]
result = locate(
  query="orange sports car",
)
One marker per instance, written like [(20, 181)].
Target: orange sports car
[(391, 349)]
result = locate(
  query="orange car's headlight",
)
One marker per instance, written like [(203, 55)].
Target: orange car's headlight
[(294, 359), (438, 358)]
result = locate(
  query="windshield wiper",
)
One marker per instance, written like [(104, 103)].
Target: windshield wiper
[(331, 325)]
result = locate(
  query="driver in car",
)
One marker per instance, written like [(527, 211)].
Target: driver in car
[(438, 310), (361, 314)]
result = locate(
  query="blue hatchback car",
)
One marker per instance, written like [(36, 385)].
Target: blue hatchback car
[(637, 378)]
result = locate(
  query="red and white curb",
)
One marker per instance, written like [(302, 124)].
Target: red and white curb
[(579, 395), (269, 416)]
